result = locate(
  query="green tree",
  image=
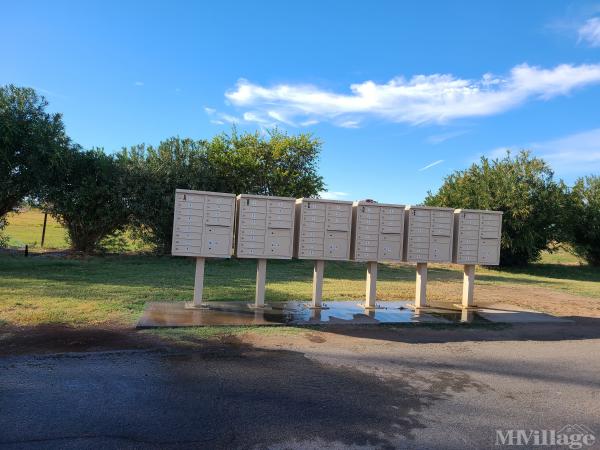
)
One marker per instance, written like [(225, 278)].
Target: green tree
[(86, 193), (584, 219), (272, 164), (29, 137), (523, 188), (153, 174)]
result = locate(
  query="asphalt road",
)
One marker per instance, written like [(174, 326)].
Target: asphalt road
[(336, 389)]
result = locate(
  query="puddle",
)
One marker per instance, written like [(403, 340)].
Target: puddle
[(170, 314)]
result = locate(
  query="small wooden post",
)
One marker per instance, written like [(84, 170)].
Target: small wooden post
[(371, 291), (468, 285), (317, 294), (261, 275), (421, 290), (44, 229), (198, 282)]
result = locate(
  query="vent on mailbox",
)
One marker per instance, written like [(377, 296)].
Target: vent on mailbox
[(377, 231), (477, 236), (428, 235), (265, 227)]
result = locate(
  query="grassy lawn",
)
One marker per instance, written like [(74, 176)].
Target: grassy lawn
[(114, 290)]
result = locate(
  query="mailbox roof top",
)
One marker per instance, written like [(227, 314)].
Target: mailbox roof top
[(189, 191), (322, 200), (434, 208), (488, 211), (365, 203), (266, 197)]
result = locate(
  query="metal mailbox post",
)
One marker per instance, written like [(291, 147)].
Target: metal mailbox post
[(428, 238), (377, 235), (202, 228), (323, 229), (476, 241), (265, 230)]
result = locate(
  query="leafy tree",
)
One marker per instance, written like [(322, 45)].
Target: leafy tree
[(86, 193), (584, 219), (275, 164), (29, 136), (523, 188), (153, 174)]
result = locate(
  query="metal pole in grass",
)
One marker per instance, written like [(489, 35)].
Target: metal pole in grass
[(44, 229)]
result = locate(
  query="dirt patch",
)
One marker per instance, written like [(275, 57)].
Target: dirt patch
[(549, 301)]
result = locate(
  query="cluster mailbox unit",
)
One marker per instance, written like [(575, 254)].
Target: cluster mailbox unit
[(202, 228), (377, 235), (265, 230), (269, 227), (323, 231), (476, 241), (428, 238)]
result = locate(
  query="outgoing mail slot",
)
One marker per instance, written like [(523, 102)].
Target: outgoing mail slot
[(217, 221)]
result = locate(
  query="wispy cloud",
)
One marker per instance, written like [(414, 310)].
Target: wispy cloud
[(433, 164), (436, 98), (439, 138), (138, 83), (577, 153), (333, 195), (589, 32)]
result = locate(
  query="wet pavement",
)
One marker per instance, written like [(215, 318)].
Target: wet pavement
[(176, 314)]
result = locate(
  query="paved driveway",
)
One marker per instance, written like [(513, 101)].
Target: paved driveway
[(346, 388)]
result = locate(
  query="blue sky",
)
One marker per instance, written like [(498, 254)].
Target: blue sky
[(401, 93)]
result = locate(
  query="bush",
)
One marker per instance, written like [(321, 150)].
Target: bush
[(524, 189), (584, 219), (29, 136), (86, 194), (276, 164)]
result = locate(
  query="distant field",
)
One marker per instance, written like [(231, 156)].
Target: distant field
[(25, 228)]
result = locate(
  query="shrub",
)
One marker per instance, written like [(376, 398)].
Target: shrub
[(584, 219), (86, 194), (523, 188), (275, 164)]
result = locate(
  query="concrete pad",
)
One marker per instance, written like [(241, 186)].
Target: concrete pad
[(518, 316)]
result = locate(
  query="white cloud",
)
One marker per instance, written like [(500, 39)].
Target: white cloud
[(217, 122), (436, 98), (577, 154), (589, 32), (209, 111), (138, 83), (433, 164), (333, 195)]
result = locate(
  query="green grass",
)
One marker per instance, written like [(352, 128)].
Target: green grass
[(25, 228), (114, 290)]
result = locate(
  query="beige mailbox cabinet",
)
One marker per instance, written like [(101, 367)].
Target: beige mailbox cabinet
[(265, 227), (377, 231), (323, 229), (477, 236), (203, 224), (428, 234)]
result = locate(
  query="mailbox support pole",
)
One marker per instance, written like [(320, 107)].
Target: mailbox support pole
[(371, 291), (421, 290), (261, 275), (317, 294), (468, 285), (198, 283)]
